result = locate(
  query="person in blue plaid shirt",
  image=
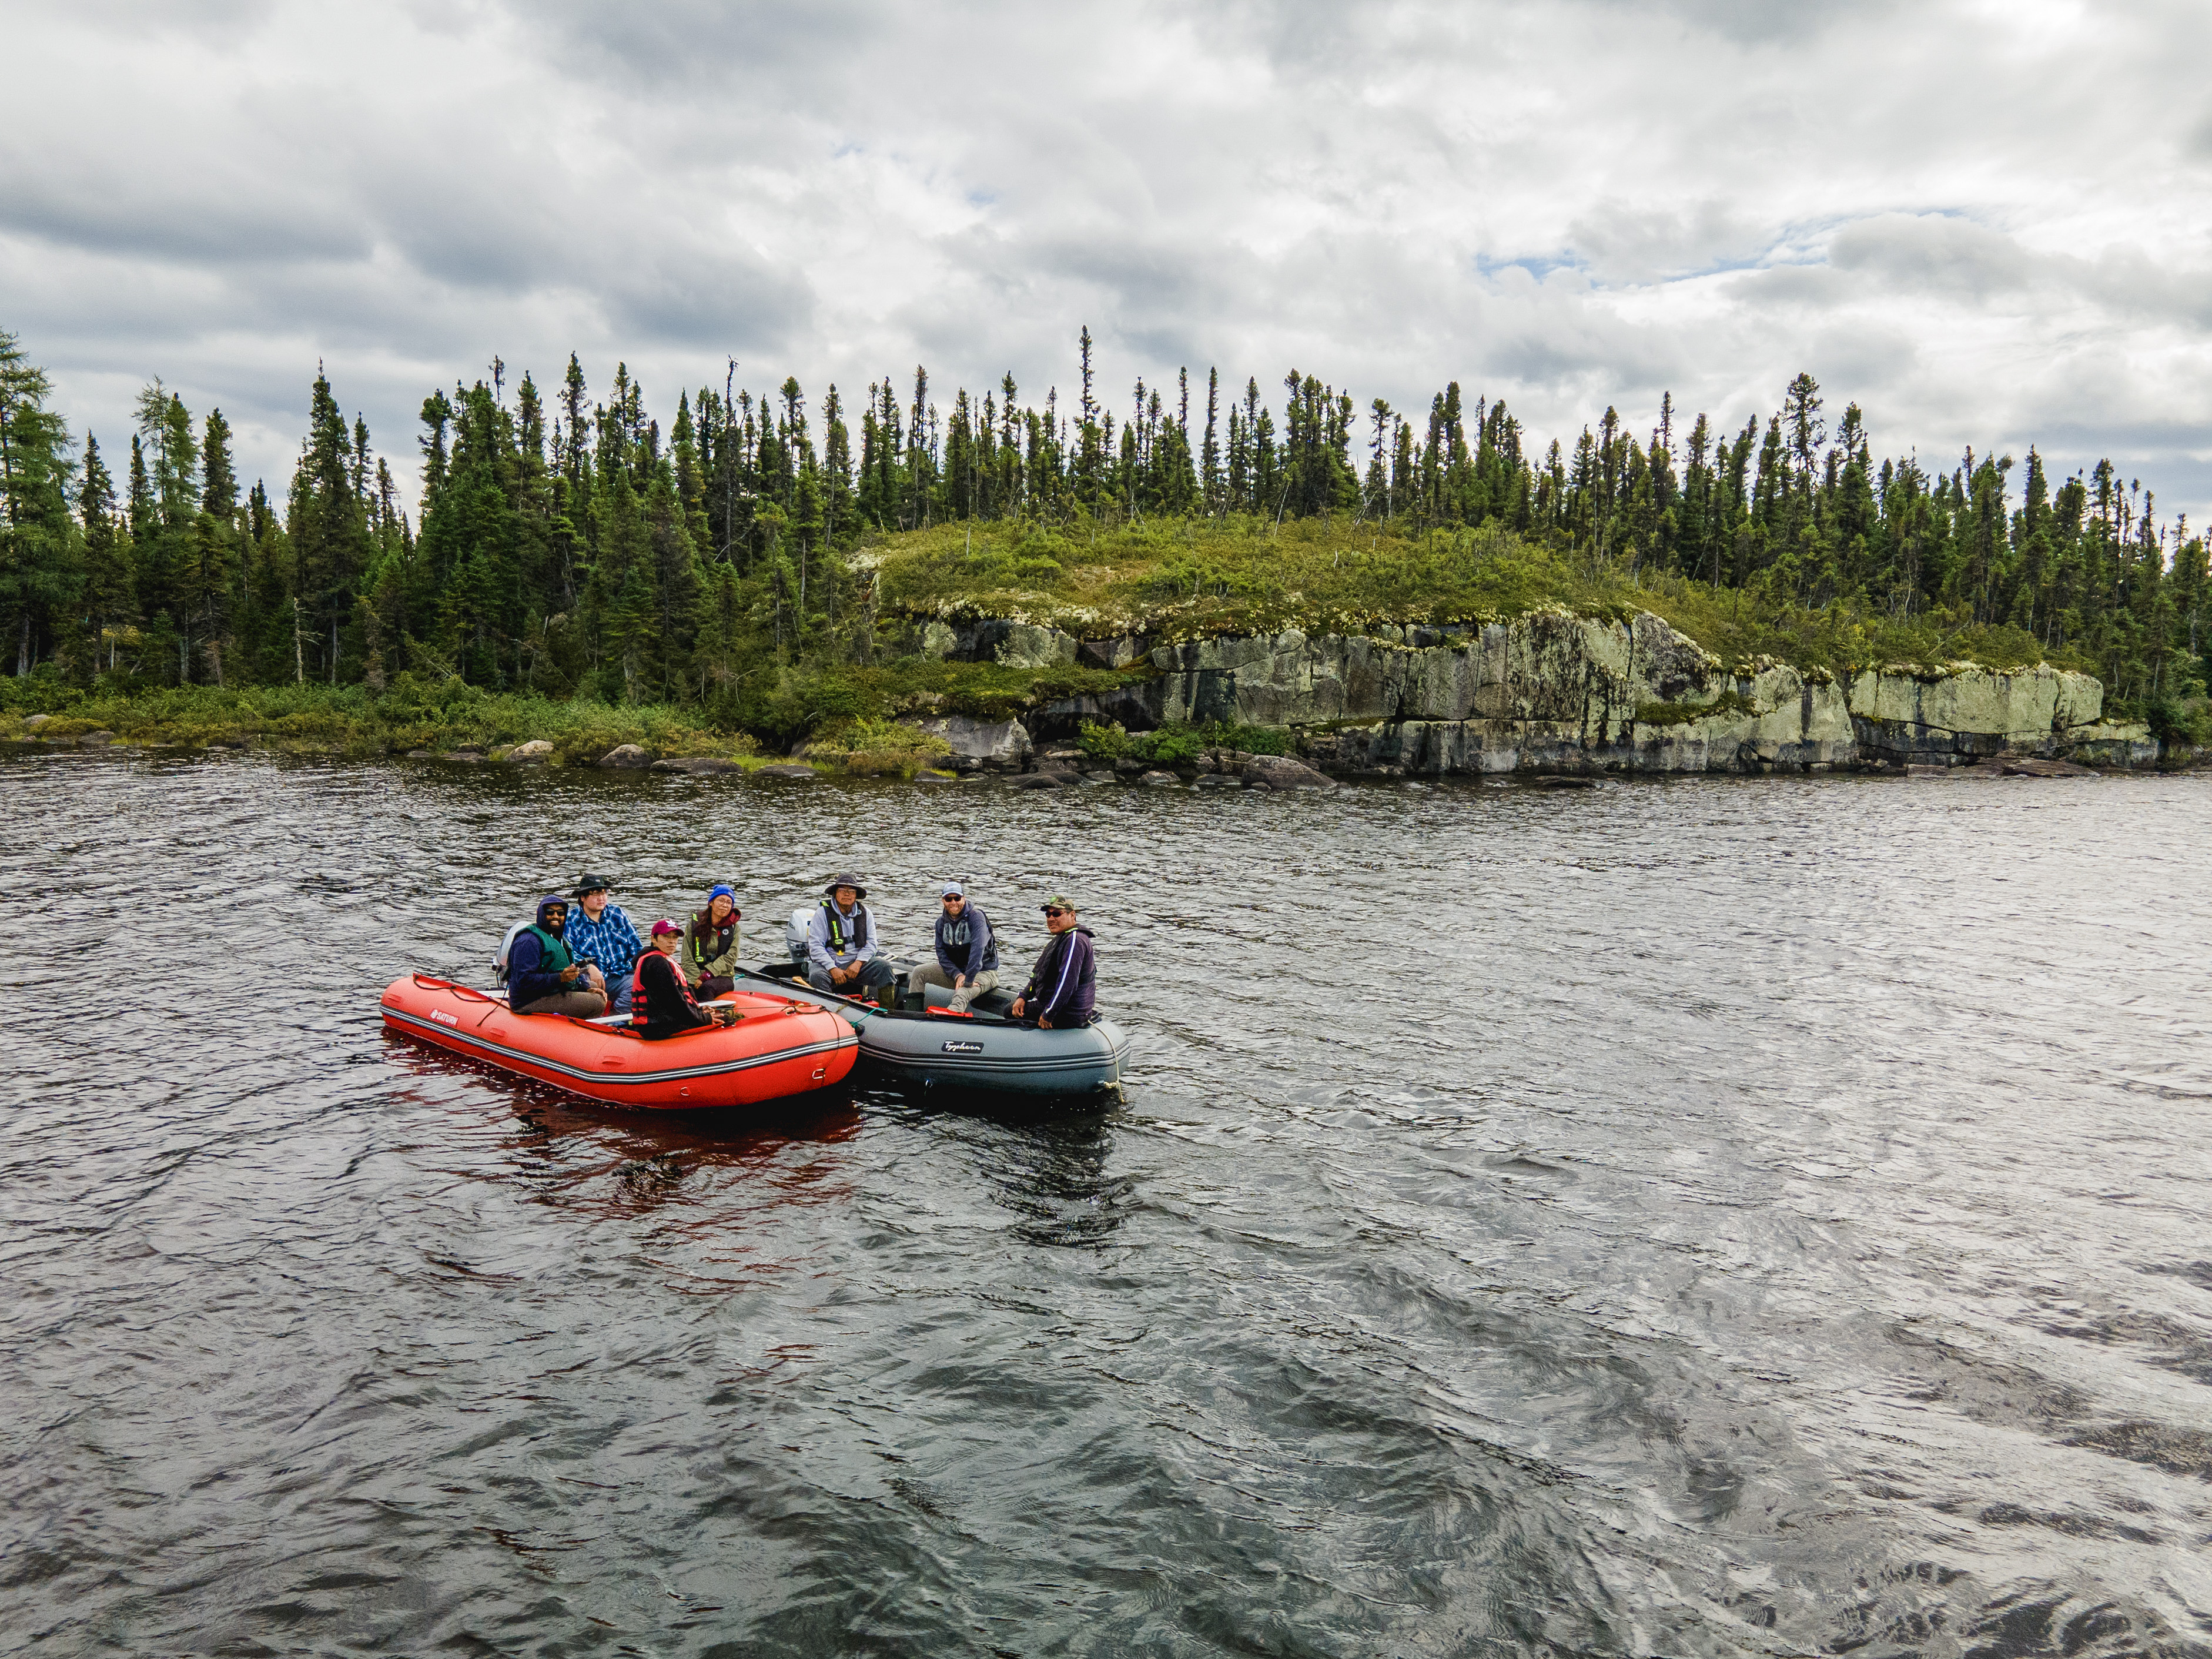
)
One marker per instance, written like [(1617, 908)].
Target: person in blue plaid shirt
[(600, 934)]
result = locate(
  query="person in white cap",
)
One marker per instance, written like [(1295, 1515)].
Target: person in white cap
[(967, 951)]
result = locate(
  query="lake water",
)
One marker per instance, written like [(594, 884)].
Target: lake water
[(1706, 1216)]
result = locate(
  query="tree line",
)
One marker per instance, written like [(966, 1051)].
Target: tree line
[(570, 544)]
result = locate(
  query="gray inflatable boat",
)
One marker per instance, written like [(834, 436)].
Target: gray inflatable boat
[(987, 1049)]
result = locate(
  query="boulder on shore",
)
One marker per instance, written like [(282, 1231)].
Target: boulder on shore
[(33, 722), (1281, 772), (988, 743), (699, 766), (796, 774), (2022, 766), (536, 752), (627, 756), (1041, 780), (1156, 779), (96, 739)]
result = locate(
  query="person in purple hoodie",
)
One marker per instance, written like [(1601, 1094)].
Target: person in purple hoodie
[(1062, 988)]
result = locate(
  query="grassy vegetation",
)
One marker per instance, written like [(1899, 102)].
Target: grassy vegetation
[(846, 713), (874, 746), (1187, 579)]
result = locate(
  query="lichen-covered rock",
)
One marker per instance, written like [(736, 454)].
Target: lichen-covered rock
[(1027, 646), (998, 742), (1548, 690), (1156, 780), (536, 752), (626, 756)]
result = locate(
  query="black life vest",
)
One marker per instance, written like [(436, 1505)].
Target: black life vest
[(837, 944), (957, 934), (704, 941)]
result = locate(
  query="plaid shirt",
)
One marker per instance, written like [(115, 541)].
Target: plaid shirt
[(610, 943)]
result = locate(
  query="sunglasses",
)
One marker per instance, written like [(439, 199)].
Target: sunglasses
[(1054, 910)]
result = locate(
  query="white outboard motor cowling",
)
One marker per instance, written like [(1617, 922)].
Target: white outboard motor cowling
[(506, 950), (794, 933)]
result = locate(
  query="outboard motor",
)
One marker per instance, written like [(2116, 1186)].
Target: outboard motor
[(794, 934), (506, 950)]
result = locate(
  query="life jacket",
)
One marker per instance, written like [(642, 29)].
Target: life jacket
[(957, 935), (555, 957), (641, 1010), (837, 944), (704, 941)]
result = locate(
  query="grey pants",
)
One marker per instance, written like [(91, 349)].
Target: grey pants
[(875, 973), (578, 1004), (931, 974)]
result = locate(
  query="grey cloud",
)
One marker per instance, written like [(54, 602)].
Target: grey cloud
[(1742, 186), (1763, 22), (1622, 242), (1944, 253), (709, 304)]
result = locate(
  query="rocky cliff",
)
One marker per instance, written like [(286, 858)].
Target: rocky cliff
[(1555, 692)]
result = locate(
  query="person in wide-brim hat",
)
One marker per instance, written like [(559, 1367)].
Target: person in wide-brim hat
[(605, 941), (842, 945)]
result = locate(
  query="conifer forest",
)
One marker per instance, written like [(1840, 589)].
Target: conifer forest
[(581, 541)]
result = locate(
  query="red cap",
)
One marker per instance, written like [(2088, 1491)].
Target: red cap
[(664, 925)]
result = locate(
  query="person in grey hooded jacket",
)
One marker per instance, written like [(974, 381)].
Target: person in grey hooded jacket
[(967, 951)]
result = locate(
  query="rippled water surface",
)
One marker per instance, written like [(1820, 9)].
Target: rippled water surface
[(1707, 1217)]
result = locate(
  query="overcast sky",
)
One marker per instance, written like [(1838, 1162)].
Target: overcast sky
[(1986, 223)]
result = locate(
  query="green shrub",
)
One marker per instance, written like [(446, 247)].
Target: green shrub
[(1106, 741)]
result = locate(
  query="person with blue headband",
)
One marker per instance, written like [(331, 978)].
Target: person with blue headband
[(709, 959)]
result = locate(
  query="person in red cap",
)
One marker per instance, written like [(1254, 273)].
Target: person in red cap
[(661, 1003)]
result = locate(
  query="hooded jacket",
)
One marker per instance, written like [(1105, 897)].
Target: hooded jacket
[(536, 958), (1062, 986), (965, 944)]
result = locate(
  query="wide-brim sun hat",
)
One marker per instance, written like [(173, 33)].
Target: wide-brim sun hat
[(590, 884), (849, 880)]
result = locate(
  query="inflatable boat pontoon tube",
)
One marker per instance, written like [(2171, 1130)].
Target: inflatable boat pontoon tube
[(781, 1046), (986, 1050)]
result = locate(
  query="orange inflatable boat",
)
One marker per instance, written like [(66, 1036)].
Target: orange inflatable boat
[(778, 1048)]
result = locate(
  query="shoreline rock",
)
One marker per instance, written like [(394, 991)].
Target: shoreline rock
[(1552, 692)]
